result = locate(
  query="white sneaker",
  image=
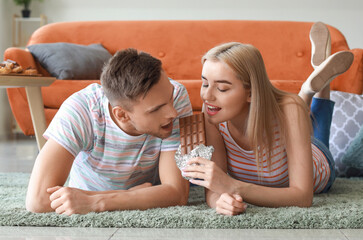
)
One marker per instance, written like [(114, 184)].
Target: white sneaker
[(320, 43), (333, 66)]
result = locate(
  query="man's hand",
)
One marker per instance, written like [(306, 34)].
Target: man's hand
[(68, 201), (228, 204)]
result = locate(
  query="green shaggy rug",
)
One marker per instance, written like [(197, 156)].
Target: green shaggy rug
[(342, 207)]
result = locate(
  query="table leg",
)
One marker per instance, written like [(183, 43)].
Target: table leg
[(36, 107)]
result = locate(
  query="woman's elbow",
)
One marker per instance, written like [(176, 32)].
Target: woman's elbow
[(306, 200), (305, 204)]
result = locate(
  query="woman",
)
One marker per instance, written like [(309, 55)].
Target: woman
[(264, 152)]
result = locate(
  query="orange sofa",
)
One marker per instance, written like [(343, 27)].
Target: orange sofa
[(285, 47)]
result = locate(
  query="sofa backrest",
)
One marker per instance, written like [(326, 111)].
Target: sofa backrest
[(285, 46)]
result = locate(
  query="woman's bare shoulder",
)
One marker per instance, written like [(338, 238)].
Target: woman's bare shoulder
[(292, 102)]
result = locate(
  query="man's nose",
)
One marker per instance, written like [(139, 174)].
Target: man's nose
[(171, 111)]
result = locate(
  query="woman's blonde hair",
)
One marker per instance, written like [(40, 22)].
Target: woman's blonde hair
[(266, 100)]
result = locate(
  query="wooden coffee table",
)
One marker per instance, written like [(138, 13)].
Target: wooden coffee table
[(32, 85)]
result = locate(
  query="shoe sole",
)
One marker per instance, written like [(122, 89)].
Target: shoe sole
[(320, 40), (335, 65)]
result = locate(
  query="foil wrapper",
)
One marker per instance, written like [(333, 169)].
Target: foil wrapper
[(199, 151)]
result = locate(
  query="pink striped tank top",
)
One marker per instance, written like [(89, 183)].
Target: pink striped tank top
[(242, 164)]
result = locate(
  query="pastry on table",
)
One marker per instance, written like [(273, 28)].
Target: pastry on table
[(11, 67)]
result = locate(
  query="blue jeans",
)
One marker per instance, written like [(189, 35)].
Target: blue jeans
[(322, 113)]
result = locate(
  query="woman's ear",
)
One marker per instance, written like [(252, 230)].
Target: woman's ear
[(249, 95)]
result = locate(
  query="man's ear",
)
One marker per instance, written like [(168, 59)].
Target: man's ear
[(120, 114)]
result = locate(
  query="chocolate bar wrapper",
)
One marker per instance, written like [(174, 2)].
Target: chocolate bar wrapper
[(199, 151)]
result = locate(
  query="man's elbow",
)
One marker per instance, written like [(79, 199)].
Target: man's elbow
[(37, 205), (181, 196), (183, 200), (36, 208)]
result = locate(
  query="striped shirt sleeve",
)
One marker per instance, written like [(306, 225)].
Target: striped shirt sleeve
[(71, 127)]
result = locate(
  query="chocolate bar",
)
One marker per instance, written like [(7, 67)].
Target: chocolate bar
[(192, 132)]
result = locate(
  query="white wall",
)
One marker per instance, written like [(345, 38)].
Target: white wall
[(346, 15)]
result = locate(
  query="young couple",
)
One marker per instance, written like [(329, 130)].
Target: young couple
[(117, 141)]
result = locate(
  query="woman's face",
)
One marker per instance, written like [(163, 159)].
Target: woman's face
[(223, 95)]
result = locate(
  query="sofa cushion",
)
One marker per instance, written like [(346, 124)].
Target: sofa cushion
[(71, 61), (345, 133), (353, 157)]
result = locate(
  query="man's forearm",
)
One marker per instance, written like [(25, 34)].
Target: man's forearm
[(151, 197)]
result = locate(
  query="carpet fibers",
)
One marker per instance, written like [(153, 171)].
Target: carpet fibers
[(341, 208)]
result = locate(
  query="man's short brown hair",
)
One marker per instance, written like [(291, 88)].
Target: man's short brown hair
[(128, 75)]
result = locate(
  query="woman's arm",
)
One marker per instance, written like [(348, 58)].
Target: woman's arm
[(219, 158), (300, 164), (215, 176)]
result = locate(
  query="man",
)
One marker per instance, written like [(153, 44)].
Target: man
[(115, 141)]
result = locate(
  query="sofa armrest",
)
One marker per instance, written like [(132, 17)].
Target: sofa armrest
[(23, 57), (352, 80)]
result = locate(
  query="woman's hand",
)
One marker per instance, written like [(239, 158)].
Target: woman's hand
[(230, 204), (207, 174)]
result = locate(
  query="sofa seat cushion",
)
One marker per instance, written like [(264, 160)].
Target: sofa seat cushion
[(53, 98)]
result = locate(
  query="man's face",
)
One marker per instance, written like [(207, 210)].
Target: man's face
[(153, 113)]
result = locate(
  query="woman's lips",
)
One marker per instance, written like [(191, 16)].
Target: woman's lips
[(212, 110)]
